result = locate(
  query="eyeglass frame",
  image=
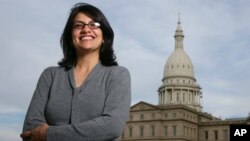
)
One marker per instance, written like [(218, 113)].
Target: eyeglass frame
[(81, 25)]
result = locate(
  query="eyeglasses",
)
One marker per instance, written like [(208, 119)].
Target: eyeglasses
[(91, 25)]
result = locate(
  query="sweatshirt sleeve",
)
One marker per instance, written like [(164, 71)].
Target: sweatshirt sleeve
[(35, 114), (110, 125)]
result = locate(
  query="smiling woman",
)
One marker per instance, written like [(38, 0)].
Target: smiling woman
[(86, 38), (88, 96), (81, 16)]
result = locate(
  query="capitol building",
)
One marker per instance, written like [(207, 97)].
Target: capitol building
[(178, 115)]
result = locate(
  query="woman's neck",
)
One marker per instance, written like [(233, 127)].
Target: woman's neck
[(87, 61), (83, 67)]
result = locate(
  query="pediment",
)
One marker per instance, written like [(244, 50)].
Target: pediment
[(143, 106)]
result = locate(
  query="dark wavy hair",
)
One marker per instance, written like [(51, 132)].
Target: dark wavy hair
[(106, 55)]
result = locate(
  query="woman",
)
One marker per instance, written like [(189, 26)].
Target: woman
[(87, 97)]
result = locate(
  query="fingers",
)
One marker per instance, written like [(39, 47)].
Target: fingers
[(44, 124), (25, 135), (36, 134)]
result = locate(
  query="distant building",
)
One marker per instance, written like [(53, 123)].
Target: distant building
[(178, 115)]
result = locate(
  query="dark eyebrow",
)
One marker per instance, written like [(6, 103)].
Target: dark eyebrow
[(79, 22), (83, 22)]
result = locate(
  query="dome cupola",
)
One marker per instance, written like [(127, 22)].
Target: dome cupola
[(179, 83), (179, 63)]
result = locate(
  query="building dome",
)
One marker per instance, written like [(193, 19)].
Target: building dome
[(179, 64), (179, 84)]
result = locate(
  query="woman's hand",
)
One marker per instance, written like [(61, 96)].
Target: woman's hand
[(36, 134)]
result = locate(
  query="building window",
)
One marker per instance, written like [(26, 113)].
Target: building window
[(191, 133), (141, 131), (184, 128), (206, 135), (142, 116), (166, 115), (174, 130), (153, 115), (131, 117), (194, 133), (166, 130), (177, 97), (163, 96), (174, 115), (215, 134), (225, 134), (130, 131), (122, 135), (153, 130)]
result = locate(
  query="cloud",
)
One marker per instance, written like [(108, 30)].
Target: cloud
[(133, 55), (225, 106)]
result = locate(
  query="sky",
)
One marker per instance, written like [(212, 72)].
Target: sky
[(216, 39)]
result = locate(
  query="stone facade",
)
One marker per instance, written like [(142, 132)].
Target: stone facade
[(175, 122), (178, 115)]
